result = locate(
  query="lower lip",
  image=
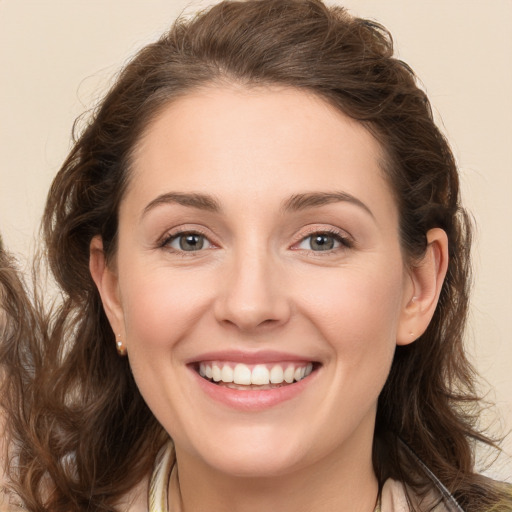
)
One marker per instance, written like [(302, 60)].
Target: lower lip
[(253, 399)]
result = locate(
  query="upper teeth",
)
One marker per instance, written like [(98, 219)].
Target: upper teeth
[(259, 374)]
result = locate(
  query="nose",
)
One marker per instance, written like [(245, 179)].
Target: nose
[(252, 294)]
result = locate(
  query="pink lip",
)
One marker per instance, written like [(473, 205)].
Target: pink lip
[(236, 356), (252, 400)]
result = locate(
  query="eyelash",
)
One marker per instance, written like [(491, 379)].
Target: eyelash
[(169, 238), (344, 241)]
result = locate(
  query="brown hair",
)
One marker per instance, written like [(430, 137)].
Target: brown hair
[(21, 340), (93, 427)]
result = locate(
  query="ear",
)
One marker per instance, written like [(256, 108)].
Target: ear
[(105, 278), (426, 277)]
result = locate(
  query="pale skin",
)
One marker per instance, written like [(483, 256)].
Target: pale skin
[(297, 252)]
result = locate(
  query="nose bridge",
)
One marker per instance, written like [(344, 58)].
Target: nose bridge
[(253, 294)]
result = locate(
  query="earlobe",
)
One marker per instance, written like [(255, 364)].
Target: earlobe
[(106, 281), (427, 278)]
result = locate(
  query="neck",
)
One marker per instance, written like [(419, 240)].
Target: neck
[(343, 481)]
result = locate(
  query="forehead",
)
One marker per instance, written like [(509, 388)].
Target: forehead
[(260, 140)]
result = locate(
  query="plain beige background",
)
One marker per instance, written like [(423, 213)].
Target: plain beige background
[(57, 56)]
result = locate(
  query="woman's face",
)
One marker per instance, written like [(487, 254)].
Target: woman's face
[(258, 241)]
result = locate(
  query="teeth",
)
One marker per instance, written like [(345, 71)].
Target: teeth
[(276, 375), (257, 375), (217, 373), (289, 374), (242, 374), (260, 375), (227, 373)]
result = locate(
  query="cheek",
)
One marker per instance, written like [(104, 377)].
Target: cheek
[(359, 300), (357, 312), (160, 306)]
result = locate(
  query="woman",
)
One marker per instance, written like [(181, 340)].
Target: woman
[(263, 257)]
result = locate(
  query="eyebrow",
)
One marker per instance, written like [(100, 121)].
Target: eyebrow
[(194, 200), (299, 202), (296, 202)]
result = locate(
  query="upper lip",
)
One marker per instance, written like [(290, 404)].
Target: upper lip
[(239, 356)]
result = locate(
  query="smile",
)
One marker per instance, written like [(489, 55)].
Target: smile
[(253, 382), (251, 376)]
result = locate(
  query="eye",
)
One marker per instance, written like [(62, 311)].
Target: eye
[(188, 242), (322, 242)]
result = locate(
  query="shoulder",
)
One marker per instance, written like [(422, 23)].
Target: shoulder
[(397, 497), (136, 500), (393, 497)]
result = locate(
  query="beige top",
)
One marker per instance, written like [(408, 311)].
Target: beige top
[(393, 496), (394, 500)]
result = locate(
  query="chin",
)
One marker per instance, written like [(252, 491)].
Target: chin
[(260, 465), (256, 452)]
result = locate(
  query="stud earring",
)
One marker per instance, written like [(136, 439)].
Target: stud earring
[(121, 349)]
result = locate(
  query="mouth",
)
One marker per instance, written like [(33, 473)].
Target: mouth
[(258, 376)]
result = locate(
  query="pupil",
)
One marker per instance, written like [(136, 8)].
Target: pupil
[(322, 242), (191, 242)]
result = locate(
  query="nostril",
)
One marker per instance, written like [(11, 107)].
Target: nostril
[(251, 298)]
